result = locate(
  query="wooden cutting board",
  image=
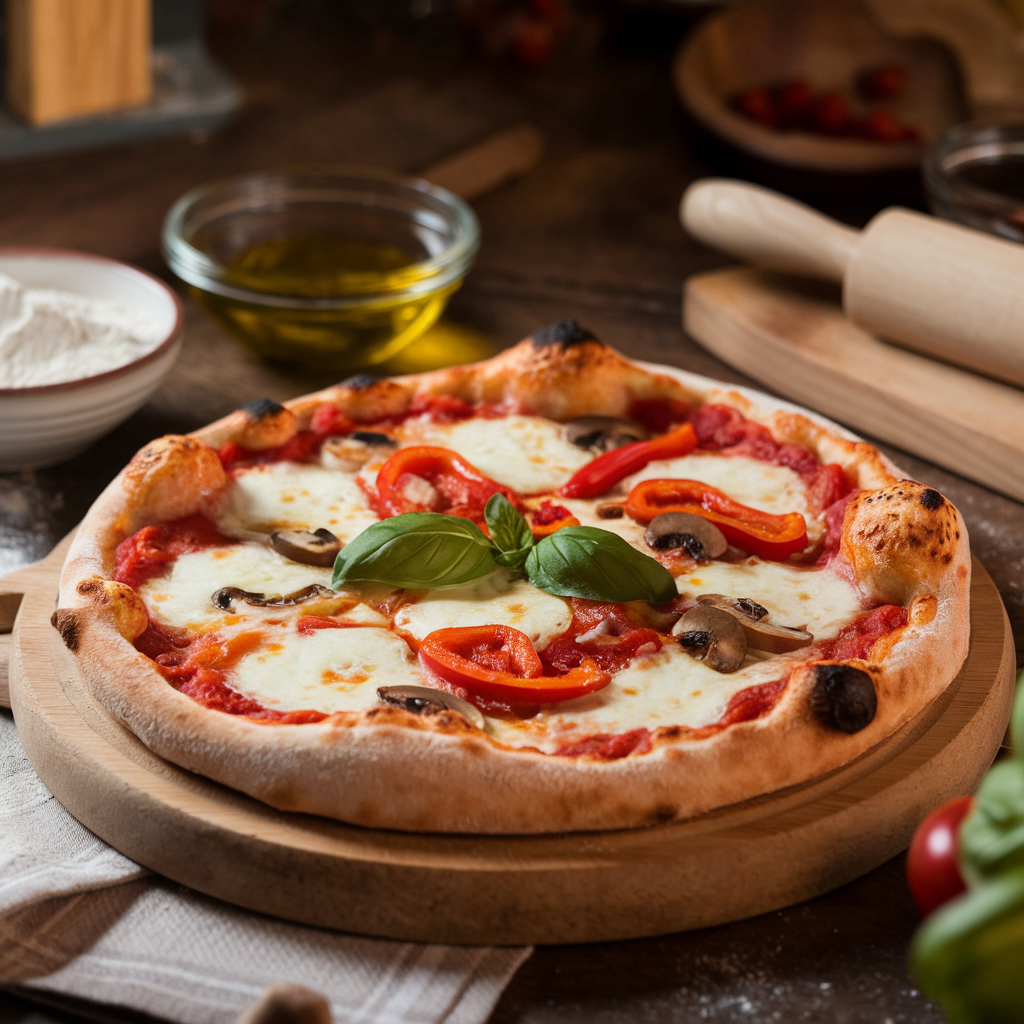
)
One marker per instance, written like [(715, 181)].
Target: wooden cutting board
[(791, 335), (744, 860)]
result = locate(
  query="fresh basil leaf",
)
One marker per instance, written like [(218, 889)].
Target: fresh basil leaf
[(417, 550), (968, 954), (992, 835), (510, 532), (583, 561)]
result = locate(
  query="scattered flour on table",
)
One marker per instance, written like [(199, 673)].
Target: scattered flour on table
[(49, 336)]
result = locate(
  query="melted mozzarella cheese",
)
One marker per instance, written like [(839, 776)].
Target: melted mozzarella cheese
[(527, 453), (494, 599), (181, 598), (286, 495), (761, 485), (795, 595), (329, 670), (666, 688)]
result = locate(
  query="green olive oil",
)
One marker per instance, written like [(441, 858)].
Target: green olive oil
[(374, 316)]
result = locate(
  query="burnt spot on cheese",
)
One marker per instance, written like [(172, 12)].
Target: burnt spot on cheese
[(931, 499), (65, 621), (360, 381), (261, 408), (563, 334)]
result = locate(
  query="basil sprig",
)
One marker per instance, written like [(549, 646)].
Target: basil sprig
[(510, 532), (426, 550)]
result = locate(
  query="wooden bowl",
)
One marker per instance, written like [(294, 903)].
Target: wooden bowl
[(826, 43)]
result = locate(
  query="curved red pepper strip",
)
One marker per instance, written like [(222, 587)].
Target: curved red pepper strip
[(751, 530), (464, 655), (607, 470), (464, 490)]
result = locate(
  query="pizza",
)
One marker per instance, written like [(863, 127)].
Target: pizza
[(554, 591)]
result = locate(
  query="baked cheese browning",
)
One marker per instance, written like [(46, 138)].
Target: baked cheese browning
[(332, 487)]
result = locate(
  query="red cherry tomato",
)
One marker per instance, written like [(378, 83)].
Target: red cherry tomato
[(932, 870)]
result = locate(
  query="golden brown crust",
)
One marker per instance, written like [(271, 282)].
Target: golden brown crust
[(170, 478), (387, 768)]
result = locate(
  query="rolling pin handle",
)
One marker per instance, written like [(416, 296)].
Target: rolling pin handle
[(767, 229)]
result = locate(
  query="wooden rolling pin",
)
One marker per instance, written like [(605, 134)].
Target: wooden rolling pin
[(942, 289)]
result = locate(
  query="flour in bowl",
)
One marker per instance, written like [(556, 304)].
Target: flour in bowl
[(49, 336)]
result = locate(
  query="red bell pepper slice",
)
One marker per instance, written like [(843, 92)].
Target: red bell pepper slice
[(607, 470), (751, 530), (499, 663), (462, 490)]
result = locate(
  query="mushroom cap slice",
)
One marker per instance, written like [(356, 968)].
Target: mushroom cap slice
[(843, 697), (225, 597), (698, 537), (603, 433), (319, 548), (712, 636), (753, 617), (425, 700)]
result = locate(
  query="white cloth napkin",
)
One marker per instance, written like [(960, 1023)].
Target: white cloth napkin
[(79, 920)]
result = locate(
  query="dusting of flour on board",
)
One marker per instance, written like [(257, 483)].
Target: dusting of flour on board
[(50, 337)]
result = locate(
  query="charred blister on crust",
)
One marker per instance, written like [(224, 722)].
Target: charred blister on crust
[(843, 697), (65, 621), (360, 381), (126, 607), (563, 333), (261, 408), (263, 423), (931, 499)]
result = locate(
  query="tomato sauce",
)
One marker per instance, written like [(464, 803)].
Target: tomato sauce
[(607, 747), (722, 428), (613, 648), (148, 552), (857, 639), (198, 667)]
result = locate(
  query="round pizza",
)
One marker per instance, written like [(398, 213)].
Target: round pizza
[(554, 591)]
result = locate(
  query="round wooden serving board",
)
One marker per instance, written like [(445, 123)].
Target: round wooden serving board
[(743, 860)]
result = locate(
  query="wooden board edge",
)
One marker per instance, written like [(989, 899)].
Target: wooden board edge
[(553, 889), (768, 358)]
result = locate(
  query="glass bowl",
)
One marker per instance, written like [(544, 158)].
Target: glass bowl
[(975, 175), (329, 268)]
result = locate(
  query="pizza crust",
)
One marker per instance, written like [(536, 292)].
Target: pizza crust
[(388, 768)]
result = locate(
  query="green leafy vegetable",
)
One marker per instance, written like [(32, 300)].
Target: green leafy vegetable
[(969, 953), (583, 561), (418, 550), (992, 835), (510, 532)]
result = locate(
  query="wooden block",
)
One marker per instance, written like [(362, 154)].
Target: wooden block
[(69, 58)]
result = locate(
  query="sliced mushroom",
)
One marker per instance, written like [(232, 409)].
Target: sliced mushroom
[(698, 537), (353, 452), (712, 636), (843, 697), (603, 433), (753, 617), (225, 597), (424, 700), (610, 510), (318, 548)]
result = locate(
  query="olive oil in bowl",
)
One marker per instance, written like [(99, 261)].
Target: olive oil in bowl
[(329, 270)]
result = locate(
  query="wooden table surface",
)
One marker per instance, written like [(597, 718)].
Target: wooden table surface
[(591, 233)]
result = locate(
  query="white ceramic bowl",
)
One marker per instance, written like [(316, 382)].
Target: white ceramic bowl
[(41, 426)]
